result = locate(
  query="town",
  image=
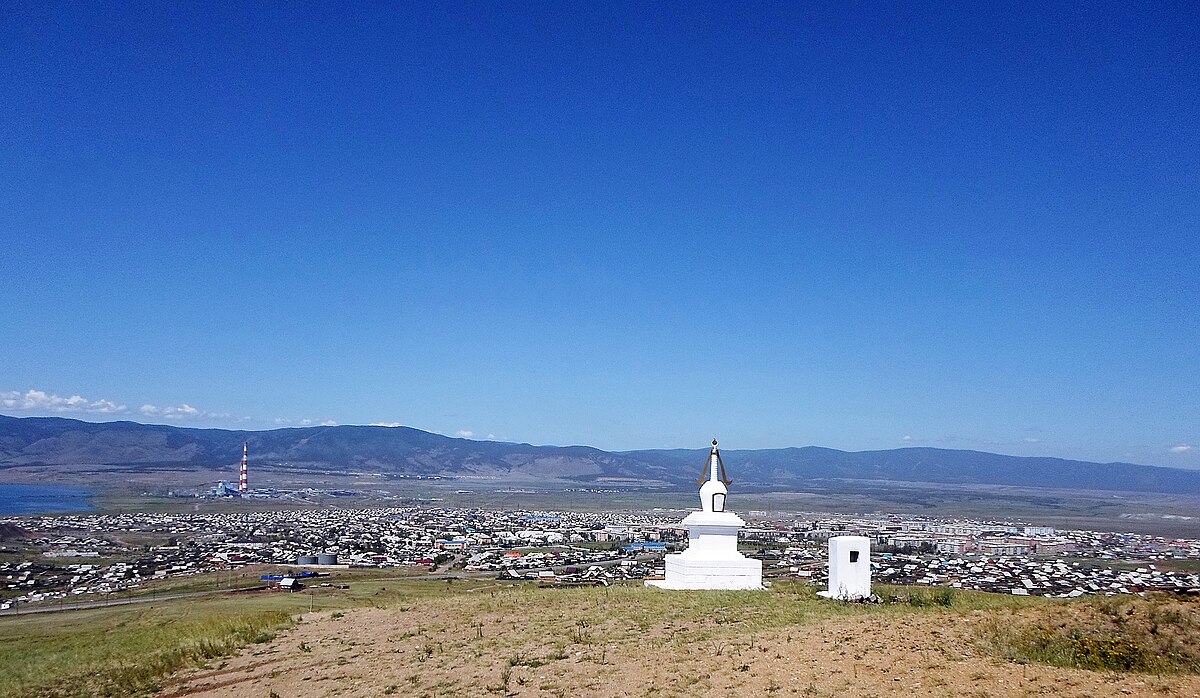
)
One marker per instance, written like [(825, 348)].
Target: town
[(70, 558)]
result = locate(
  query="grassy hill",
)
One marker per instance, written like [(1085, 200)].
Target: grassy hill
[(438, 638)]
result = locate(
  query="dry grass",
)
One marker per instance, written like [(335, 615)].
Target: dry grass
[(621, 641), (129, 657), (1154, 634), (428, 639), (125, 650)]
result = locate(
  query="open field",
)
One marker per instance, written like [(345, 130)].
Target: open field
[(479, 637), (246, 579), (119, 650)]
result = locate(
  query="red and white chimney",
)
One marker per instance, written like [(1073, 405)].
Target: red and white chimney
[(244, 481)]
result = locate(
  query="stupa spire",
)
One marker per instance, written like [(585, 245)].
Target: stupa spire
[(715, 467)]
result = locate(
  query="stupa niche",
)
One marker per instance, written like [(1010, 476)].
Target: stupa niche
[(712, 560)]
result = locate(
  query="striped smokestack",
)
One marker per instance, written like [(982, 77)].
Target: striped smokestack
[(244, 480)]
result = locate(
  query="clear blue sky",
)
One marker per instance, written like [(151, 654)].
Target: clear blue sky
[(625, 225)]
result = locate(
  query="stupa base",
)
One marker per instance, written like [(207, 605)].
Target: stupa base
[(844, 595), (732, 573)]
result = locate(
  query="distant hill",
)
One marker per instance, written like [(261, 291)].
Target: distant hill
[(793, 466), (53, 442)]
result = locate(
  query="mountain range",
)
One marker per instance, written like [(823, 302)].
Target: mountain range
[(37, 444)]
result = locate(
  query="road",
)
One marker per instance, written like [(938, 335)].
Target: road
[(51, 607)]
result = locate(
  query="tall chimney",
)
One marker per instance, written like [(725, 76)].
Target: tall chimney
[(244, 481)]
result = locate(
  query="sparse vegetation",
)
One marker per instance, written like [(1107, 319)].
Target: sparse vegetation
[(1156, 634), (943, 596), (132, 657), (125, 650), (521, 660), (572, 641)]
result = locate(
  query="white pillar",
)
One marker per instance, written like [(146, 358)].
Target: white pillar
[(849, 568)]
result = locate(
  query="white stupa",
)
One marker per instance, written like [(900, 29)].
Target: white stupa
[(712, 560)]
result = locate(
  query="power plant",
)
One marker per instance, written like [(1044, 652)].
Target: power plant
[(243, 488)]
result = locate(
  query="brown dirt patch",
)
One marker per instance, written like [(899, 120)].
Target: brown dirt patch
[(641, 642)]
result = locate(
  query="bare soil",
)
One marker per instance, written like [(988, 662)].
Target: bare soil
[(642, 642)]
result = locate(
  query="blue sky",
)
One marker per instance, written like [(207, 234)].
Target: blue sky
[(625, 225)]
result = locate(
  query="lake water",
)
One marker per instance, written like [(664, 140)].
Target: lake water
[(18, 500)]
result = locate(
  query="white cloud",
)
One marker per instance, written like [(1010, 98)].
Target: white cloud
[(182, 411), (464, 433), (1181, 448), (107, 407), (1031, 440), (284, 421), (385, 424), (36, 401), (491, 436), (906, 438), (41, 401)]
